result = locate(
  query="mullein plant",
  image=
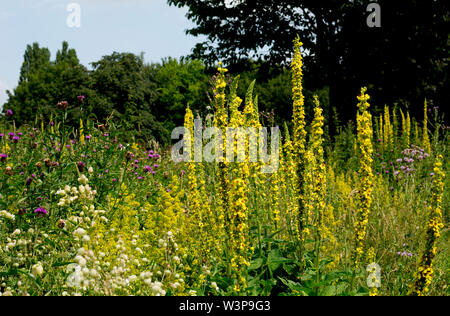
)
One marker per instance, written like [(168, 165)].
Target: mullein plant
[(195, 204), (388, 130), (425, 137), (223, 182), (364, 194), (238, 197), (380, 132), (424, 275), (299, 139), (290, 181), (406, 128), (314, 185)]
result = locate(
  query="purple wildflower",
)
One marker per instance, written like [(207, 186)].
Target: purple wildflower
[(40, 211)]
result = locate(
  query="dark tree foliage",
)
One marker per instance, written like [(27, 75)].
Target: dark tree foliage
[(120, 88), (43, 83), (404, 61), (145, 100)]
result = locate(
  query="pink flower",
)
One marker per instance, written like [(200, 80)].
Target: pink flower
[(40, 211)]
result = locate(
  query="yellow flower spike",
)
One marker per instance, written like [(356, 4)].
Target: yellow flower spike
[(424, 275), (408, 129), (299, 136), (364, 195), (425, 137), (81, 131)]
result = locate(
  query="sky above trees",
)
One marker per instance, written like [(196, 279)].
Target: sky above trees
[(149, 26)]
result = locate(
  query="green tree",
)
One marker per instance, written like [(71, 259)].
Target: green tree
[(180, 83), (121, 87), (404, 61), (43, 83)]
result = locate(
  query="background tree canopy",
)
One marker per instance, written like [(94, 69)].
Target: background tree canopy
[(404, 61), (146, 100)]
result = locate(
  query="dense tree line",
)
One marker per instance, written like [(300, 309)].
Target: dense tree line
[(146, 100), (402, 62)]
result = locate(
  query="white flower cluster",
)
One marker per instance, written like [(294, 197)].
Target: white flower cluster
[(84, 193), (84, 277), (156, 287), (7, 215), (37, 269)]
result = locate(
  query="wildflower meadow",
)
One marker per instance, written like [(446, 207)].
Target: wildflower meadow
[(85, 211)]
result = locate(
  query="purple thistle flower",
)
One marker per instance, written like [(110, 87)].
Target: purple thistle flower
[(40, 211), (8, 113), (3, 157), (2, 135), (147, 169)]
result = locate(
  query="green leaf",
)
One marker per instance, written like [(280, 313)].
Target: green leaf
[(256, 264)]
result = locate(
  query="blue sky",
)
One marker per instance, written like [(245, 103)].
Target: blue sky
[(149, 26)]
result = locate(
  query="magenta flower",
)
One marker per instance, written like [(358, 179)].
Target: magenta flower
[(8, 113), (3, 157), (81, 98), (147, 168), (40, 211)]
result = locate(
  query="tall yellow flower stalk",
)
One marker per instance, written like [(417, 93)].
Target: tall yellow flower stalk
[(380, 132), (299, 138), (425, 137), (238, 197), (364, 195), (315, 182), (200, 215), (290, 179), (408, 129), (424, 275), (81, 131), (221, 122), (388, 130)]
